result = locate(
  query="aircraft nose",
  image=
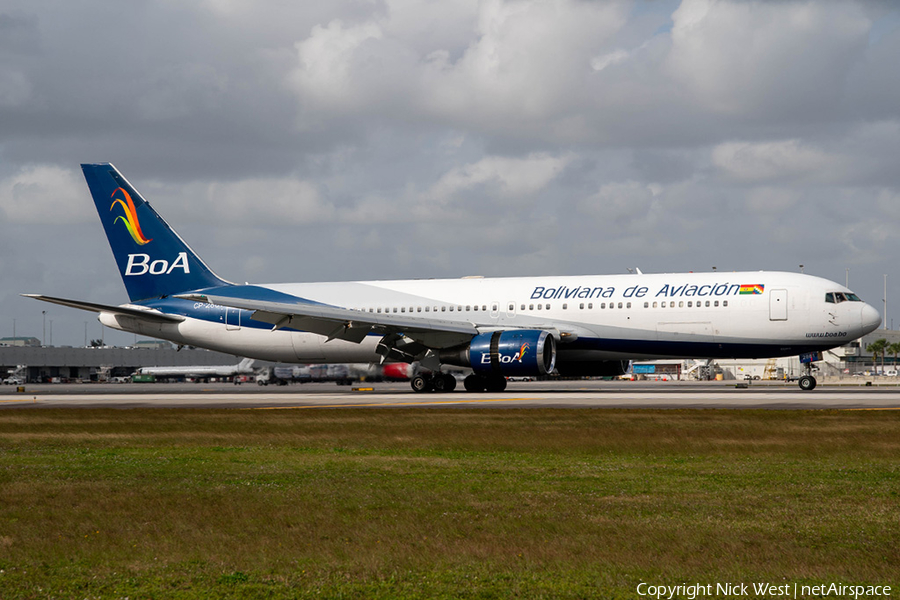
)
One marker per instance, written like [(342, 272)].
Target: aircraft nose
[(871, 319)]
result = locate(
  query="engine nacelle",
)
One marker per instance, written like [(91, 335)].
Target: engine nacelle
[(514, 352)]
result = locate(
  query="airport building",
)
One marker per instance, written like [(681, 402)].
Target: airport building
[(25, 357), (850, 360), (50, 363)]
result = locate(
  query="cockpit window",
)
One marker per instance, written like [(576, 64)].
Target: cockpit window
[(838, 297)]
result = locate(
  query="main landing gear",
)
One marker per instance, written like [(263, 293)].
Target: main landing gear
[(435, 382), (442, 382)]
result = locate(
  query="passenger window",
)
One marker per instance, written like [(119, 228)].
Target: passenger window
[(681, 304), (590, 305), (603, 305), (565, 306), (539, 306), (716, 303), (531, 307), (426, 308), (689, 304), (418, 309), (395, 309), (581, 306), (646, 305), (511, 308), (443, 309), (628, 305), (468, 307), (724, 302), (403, 309), (620, 304), (476, 308), (547, 307), (707, 303), (654, 305)]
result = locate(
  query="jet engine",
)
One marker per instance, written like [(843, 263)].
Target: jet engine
[(514, 352)]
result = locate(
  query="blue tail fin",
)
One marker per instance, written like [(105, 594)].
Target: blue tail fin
[(153, 260)]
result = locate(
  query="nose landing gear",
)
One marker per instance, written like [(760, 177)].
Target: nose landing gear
[(807, 382)]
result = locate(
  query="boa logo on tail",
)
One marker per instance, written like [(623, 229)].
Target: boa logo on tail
[(130, 218)]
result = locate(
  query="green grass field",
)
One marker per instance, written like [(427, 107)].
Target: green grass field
[(442, 503)]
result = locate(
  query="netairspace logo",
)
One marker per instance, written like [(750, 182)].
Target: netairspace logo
[(692, 591)]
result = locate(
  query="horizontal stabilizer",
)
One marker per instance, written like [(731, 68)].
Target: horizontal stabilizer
[(147, 314)]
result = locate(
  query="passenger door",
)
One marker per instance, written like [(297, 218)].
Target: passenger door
[(778, 309)]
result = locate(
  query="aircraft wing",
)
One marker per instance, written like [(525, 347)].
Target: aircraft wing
[(147, 314), (345, 324)]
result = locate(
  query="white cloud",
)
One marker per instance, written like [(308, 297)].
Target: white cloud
[(622, 202), (44, 194), (15, 89), (261, 202), (740, 58), (613, 58), (325, 74), (512, 179), (769, 161)]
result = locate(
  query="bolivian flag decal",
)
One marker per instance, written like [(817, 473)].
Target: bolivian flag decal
[(753, 288)]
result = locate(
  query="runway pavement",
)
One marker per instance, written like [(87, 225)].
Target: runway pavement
[(567, 394)]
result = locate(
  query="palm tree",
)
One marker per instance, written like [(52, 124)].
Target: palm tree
[(895, 350), (878, 347)]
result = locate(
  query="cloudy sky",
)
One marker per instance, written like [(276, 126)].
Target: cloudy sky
[(355, 139)]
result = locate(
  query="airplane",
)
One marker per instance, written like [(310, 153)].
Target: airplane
[(245, 367), (590, 325)]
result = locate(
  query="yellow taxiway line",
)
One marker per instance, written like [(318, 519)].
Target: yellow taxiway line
[(386, 404)]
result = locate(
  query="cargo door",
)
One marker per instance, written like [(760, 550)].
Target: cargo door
[(778, 309)]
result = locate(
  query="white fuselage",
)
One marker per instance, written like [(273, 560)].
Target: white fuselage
[(608, 317)]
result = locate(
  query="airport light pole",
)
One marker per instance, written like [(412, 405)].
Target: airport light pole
[(885, 301), (44, 335)]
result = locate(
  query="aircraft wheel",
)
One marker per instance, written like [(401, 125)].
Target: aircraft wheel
[(420, 384), (474, 383), (450, 384), (807, 382), (496, 383), (444, 383)]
